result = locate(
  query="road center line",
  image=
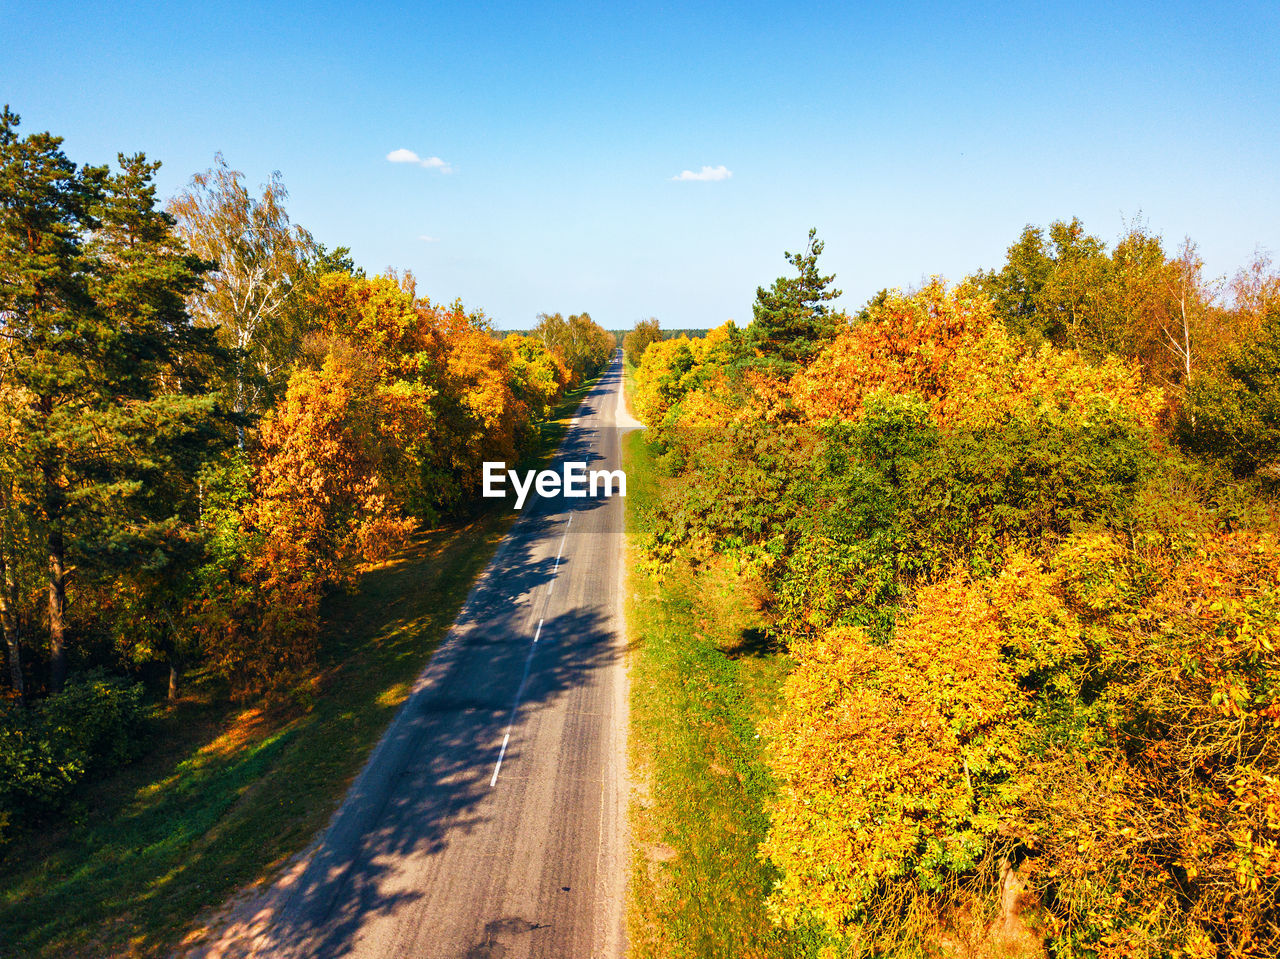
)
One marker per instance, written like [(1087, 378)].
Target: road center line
[(560, 551), (556, 568), (505, 740), (528, 660)]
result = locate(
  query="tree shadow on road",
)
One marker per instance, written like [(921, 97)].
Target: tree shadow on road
[(426, 780)]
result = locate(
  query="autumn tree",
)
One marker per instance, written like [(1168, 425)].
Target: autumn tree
[(446, 385), (1232, 412), (261, 261), (1190, 326), (791, 319), (1015, 290), (1136, 300), (537, 375), (637, 341), (1254, 291), (581, 343), (478, 409), (385, 426), (1032, 650), (317, 505)]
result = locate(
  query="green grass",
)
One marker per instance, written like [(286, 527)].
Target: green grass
[(628, 379), (225, 795), (704, 678)]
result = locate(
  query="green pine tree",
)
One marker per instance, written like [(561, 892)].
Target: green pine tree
[(791, 319), (101, 369)]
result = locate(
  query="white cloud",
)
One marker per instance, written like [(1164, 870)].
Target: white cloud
[(408, 156), (706, 174), (429, 239), (403, 156)]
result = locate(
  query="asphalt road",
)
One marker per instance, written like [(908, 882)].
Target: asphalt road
[(490, 821)]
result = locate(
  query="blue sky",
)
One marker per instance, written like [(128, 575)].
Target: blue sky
[(917, 138)]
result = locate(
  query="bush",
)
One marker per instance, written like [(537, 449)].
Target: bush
[(46, 749)]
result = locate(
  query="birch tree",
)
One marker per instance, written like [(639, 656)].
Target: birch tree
[(1190, 306), (261, 258)]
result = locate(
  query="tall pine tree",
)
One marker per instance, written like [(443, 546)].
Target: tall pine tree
[(791, 319), (104, 375)]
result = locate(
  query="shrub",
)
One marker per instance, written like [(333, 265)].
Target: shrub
[(46, 749)]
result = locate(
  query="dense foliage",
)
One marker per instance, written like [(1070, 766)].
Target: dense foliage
[(47, 749), (1035, 700), (207, 422), (637, 341), (1233, 413), (581, 343), (104, 393)]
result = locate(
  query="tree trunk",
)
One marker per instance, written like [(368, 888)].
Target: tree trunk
[(54, 503), (9, 625), (173, 655), (57, 613)]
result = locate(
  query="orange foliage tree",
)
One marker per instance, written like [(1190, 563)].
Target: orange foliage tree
[(321, 507)]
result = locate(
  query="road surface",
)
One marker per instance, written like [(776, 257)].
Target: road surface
[(490, 821)]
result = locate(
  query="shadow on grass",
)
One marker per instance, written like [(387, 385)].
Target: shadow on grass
[(752, 642), (228, 792)]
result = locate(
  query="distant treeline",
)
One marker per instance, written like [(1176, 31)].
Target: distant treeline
[(620, 335), (689, 333)]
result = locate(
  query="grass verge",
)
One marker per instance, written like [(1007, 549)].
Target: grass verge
[(703, 679), (224, 796), (628, 381)]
